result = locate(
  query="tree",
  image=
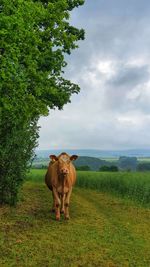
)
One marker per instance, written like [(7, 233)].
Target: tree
[(143, 166), (111, 168), (104, 168), (83, 168), (35, 36)]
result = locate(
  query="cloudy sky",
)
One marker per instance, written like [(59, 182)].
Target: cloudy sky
[(112, 67)]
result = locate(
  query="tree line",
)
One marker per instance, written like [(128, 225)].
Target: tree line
[(95, 164)]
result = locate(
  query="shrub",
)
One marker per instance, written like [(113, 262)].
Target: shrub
[(111, 168), (82, 168)]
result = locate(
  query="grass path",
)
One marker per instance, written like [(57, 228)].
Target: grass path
[(104, 231)]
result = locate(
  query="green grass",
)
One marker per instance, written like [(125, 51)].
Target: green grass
[(43, 162), (132, 185), (36, 175), (104, 231)]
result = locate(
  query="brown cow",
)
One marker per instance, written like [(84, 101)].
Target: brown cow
[(60, 178)]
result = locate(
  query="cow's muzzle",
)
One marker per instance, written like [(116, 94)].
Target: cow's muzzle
[(64, 172)]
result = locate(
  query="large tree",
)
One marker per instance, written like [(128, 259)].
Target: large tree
[(35, 36)]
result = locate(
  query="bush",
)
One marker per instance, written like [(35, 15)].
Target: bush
[(16, 150), (112, 168), (82, 168), (143, 166)]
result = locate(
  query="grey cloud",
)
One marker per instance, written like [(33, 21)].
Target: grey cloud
[(112, 109), (124, 82), (116, 8), (129, 76), (116, 29)]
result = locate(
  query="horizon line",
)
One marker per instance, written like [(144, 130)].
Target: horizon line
[(97, 149)]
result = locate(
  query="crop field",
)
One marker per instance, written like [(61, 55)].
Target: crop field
[(132, 185), (105, 229)]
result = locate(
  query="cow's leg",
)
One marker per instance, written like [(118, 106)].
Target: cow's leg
[(62, 203), (57, 204), (54, 204), (67, 201)]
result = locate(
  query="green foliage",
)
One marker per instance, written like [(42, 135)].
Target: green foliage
[(104, 168), (111, 168), (133, 185), (35, 36), (143, 166), (83, 168)]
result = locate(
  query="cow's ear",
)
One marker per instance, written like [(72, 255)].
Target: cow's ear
[(53, 157), (73, 157)]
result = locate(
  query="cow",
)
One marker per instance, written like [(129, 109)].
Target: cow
[(60, 178)]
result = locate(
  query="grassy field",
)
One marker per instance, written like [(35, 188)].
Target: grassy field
[(104, 230), (132, 185)]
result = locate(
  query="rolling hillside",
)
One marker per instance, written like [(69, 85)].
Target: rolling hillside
[(93, 163)]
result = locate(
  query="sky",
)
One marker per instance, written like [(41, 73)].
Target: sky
[(112, 68)]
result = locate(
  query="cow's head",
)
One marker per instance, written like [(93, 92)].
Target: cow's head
[(64, 161)]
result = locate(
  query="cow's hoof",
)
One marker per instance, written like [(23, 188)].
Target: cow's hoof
[(57, 218), (67, 218)]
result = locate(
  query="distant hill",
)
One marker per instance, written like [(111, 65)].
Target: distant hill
[(93, 163), (97, 153)]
